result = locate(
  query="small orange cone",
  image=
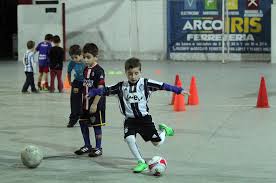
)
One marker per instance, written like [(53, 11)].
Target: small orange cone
[(262, 101), (177, 78), (193, 98), (66, 85), (179, 100)]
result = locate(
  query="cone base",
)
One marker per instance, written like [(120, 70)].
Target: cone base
[(180, 110), (262, 106), (192, 104)]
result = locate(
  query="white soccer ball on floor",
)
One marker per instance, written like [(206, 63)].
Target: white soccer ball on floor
[(31, 156), (157, 165)]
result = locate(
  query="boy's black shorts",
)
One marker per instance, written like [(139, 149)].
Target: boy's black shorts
[(144, 126), (95, 119)]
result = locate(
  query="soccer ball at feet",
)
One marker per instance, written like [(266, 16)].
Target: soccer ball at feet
[(157, 165), (31, 156)]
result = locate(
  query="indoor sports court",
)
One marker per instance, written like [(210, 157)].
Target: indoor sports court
[(225, 129)]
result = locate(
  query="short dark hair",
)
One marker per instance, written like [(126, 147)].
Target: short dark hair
[(91, 48), (30, 44), (75, 50), (48, 37), (132, 63), (56, 39)]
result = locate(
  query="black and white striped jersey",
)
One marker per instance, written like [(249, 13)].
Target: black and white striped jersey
[(133, 98), (28, 61)]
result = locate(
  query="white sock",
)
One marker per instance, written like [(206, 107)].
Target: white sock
[(131, 141), (162, 135)]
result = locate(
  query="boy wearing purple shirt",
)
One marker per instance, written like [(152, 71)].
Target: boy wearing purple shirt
[(43, 60)]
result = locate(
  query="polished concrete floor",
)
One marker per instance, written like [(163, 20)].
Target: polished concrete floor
[(223, 139)]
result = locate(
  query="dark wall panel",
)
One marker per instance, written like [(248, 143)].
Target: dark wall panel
[(8, 24)]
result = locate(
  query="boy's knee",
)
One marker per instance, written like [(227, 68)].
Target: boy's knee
[(97, 130), (130, 139)]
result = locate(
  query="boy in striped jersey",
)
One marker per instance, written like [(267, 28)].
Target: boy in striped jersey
[(29, 68), (133, 96)]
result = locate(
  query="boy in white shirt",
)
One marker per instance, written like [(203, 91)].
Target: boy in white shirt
[(29, 68)]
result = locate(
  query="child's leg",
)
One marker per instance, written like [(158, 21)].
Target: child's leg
[(32, 82), (131, 128), (142, 165), (52, 80), (46, 80), (98, 136), (97, 120), (60, 83), (75, 102), (164, 131), (162, 135), (85, 132), (26, 84), (39, 80), (131, 142)]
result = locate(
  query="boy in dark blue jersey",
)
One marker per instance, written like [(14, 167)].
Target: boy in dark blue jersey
[(77, 66), (43, 60), (93, 113), (133, 96)]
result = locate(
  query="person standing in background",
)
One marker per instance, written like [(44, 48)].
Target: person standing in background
[(56, 58), (77, 66), (29, 67), (43, 48)]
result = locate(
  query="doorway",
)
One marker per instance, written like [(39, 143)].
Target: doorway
[(8, 30)]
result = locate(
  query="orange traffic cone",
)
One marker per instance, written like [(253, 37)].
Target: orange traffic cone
[(193, 98), (262, 101), (66, 85), (179, 100), (177, 78)]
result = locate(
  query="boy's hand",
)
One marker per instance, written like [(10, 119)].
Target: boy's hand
[(93, 108), (184, 92)]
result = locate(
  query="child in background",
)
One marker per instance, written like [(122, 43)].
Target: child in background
[(77, 65), (29, 68), (56, 58), (94, 107), (43, 60), (133, 96)]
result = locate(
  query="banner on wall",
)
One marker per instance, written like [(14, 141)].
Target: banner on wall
[(195, 26)]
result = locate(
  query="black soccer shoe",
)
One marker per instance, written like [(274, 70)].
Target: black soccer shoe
[(96, 152), (83, 150)]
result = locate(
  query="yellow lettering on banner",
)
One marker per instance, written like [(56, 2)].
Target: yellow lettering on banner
[(232, 25), (236, 24), (246, 25), (256, 25)]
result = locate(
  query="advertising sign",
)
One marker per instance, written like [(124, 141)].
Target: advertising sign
[(195, 26)]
